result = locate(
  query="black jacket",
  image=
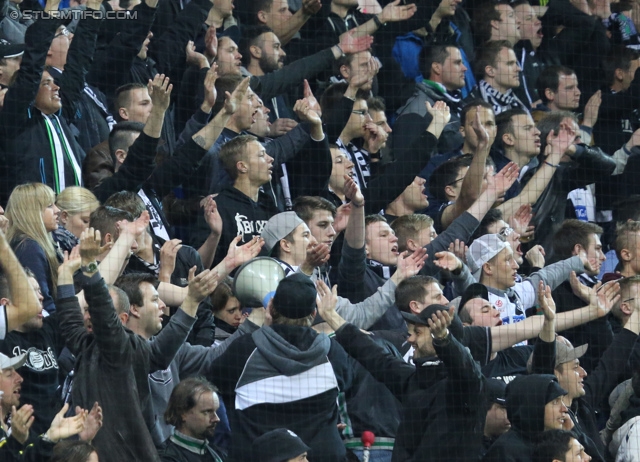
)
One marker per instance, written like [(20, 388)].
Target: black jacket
[(413, 119), (526, 399), (284, 377), (112, 368), (589, 165), (581, 45), (532, 64), (443, 415), (24, 137), (615, 123)]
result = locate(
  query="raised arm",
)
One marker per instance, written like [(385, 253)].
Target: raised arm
[(22, 93), (71, 318), (557, 145), (392, 12), (393, 372), (472, 183), (166, 344), (24, 303), (600, 303), (286, 30), (79, 58), (368, 311)]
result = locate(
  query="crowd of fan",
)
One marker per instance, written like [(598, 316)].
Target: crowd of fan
[(443, 187)]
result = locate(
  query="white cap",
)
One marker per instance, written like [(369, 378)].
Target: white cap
[(482, 250), (15, 362)]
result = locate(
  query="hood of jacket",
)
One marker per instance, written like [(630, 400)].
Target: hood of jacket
[(292, 350), (526, 398)]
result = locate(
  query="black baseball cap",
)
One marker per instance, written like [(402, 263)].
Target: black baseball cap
[(10, 50)]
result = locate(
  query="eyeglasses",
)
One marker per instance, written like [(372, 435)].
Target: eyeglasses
[(506, 232), (64, 32), (360, 112)]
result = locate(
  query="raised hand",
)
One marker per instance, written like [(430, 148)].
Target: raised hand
[(535, 256), (342, 218), (579, 289), (559, 142), (93, 422), (202, 285), (349, 43), (395, 12), (311, 99), (71, 263), (546, 302), (21, 421), (604, 296), (233, 100), (520, 220), (211, 44), (439, 323), (352, 192), (447, 261), (317, 255), (136, 227), (440, 116), (168, 254), (591, 109), (327, 299), (90, 247), (238, 255), (375, 136), (481, 133), (194, 58), (409, 264), (459, 249), (62, 427), (212, 215), (160, 92), (303, 110), (311, 7), (504, 179), (210, 92), (282, 126)]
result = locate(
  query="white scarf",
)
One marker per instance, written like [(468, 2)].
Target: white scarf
[(61, 146)]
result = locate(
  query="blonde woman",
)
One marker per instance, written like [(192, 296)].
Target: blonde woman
[(33, 216), (76, 204)]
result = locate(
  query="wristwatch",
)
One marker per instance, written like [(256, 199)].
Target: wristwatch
[(90, 268)]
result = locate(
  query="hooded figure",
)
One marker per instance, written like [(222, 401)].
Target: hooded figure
[(285, 376), (527, 397)]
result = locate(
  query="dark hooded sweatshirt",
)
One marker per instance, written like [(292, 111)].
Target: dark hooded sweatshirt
[(526, 399), (284, 377)]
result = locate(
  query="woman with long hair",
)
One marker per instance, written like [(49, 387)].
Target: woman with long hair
[(33, 216), (76, 204), (226, 311)]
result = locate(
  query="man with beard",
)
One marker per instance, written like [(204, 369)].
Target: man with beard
[(192, 410), (262, 53)]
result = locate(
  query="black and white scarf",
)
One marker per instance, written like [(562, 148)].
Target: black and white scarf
[(501, 102)]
